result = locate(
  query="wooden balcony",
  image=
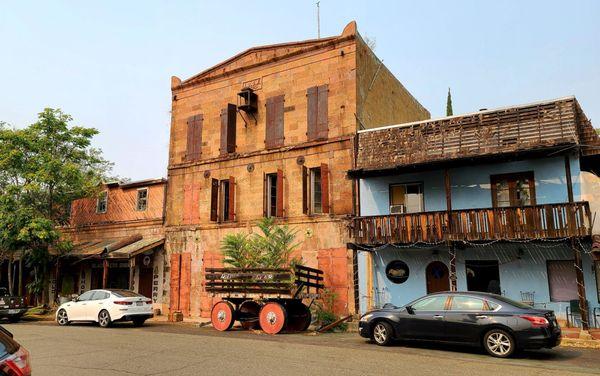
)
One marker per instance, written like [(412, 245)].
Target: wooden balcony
[(550, 221)]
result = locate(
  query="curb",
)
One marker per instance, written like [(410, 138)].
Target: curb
[(580, 343)]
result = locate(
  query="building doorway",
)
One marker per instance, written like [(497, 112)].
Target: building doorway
[(483, 275), (437, 276)]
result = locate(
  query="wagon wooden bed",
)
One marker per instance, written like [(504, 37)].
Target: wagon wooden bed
[(266, 298)]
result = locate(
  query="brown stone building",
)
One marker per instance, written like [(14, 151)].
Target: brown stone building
[(270, 132), (117, 242)]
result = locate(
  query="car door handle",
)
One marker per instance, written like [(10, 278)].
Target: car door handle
[(481, 317), (438, 317)]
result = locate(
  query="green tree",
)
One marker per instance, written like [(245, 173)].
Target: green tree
[(449, 104), (43, 168), (271, 247)]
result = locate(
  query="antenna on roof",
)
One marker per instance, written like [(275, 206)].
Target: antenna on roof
[(318, 21)]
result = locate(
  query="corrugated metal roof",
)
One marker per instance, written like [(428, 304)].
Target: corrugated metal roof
[(137, 247)]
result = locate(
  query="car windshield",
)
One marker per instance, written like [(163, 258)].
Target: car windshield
[(511, 302), (125, 294)]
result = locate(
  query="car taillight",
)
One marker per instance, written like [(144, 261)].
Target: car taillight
[(148, 301), (536, 321), (120, 302), (18, 364)]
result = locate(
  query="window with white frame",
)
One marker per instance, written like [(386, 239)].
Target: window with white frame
[(102, 202), (406, 198), (142, 199)]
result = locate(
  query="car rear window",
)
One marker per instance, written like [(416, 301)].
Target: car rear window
[(126, 294)]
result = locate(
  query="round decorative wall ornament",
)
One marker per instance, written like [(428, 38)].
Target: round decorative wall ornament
[(207, 174), (300, 160), (250, 167), (146, 260), (397, 271)]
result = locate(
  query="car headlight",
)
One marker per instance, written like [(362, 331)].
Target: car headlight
[(366, 317)]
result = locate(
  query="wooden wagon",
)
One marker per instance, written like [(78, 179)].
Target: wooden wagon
[(266, 298)]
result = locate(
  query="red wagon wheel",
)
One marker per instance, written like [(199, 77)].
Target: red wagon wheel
[(272, 318), (222, 316)]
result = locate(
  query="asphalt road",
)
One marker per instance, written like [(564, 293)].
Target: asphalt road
[(166, 349)]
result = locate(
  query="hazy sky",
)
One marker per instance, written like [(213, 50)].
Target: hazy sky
[(109, 63)]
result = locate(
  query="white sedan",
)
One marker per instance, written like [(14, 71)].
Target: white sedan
[(106, 307)]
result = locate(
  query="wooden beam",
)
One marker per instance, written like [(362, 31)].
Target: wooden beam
[(104, 273), (583, 308), (569, 179)]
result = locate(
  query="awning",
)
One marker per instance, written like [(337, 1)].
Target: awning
[(87, 249), (133, 249), (119, 248)]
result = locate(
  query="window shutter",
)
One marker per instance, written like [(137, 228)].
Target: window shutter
[(231, 198), (214, 200), (311, 115), (194, 137), (279, 193), (265, 195), (304, 190), (274, 130), (325, 187), (228, 127), (322, 112)]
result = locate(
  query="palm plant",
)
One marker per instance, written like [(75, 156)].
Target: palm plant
[(272, 247)]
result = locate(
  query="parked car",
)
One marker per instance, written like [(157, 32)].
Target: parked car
[(495, 322), (11, 307), (106, 307), (14, 358)]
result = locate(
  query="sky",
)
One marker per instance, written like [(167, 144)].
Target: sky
[(109, 63)]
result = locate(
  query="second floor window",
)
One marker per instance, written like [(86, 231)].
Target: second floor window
[(406, 198), (513, 189), (273, 198), (102, 202), (142, 199), (315, 190), (222, 200)]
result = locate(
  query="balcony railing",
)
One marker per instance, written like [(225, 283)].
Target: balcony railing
[(548, 221)]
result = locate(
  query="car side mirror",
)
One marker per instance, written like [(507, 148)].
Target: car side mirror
[(410, 310), (75, 299)]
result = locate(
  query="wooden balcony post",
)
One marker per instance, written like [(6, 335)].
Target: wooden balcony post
[(583, 308), (448, 235)]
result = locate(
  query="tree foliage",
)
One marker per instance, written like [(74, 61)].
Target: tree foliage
[(43, 168), (449, 111), (271, 247)]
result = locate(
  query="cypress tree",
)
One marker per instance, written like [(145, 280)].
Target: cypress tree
[(449, 104)]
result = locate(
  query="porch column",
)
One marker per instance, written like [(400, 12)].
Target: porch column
[(104, 273), (132, 273), (370, 284), (448, 233), (576, 250)]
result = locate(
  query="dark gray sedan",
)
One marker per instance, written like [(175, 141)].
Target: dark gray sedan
[(497, 323)]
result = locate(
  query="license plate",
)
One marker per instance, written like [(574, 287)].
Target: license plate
[(139, 303), (13, 311)]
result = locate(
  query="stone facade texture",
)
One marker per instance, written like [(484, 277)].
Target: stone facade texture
[(287, 70)]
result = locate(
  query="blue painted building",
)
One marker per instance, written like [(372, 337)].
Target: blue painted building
[(500, 201)]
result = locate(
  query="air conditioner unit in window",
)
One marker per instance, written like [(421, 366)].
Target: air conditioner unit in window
[(397, 209)]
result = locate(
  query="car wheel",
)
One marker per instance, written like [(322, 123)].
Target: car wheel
[(382, 333), (62, 318), (499, 343), (104, 319), (138, 322)]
